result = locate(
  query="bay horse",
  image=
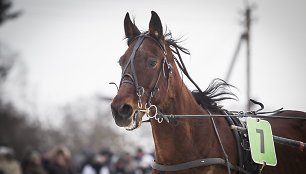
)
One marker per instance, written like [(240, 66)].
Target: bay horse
[(151, 82)]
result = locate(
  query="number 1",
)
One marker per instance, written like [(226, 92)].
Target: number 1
[(262, 140)]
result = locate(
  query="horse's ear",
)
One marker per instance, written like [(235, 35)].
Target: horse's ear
[(155, 26), (130, 28)]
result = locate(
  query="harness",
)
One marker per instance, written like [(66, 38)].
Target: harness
[(245, 164), (196, 163), (131, 78)]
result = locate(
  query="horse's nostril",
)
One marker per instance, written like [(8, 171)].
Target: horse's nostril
[(125, 110)]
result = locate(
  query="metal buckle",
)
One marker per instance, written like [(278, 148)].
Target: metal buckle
[(140, 91), (149, 110)]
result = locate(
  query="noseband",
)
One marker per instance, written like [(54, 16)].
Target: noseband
[(150, 110)]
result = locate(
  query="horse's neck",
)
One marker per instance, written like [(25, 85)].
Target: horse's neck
[(190, 139)]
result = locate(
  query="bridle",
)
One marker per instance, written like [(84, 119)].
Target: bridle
[(149, 109)]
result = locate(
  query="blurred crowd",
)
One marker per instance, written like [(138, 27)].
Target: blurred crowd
[(59, 160)]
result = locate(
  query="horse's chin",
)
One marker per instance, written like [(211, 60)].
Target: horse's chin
[(136, 121)]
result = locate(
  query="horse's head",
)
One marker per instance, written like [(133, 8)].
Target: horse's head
[(146, 68)]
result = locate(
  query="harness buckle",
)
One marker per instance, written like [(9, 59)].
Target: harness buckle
[(150, 111), (140, 91), (160, 119), (139, 104)]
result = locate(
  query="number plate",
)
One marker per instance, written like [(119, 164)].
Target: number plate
[(261, 141)]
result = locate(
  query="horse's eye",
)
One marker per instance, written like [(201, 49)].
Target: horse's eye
[(152, 63)]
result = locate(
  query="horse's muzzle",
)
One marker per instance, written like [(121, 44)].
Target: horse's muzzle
[(122, 114)]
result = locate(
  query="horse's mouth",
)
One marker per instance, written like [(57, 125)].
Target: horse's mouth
[(135, 123), (130, 118)]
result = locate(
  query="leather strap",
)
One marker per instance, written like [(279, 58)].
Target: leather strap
[(194, 164), (131, 61), (132, 76)]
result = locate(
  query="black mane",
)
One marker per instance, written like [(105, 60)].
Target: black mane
[(218, 90)]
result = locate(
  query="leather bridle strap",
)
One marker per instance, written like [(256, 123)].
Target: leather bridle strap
[(132, 77), (194, 164), (131, 61)]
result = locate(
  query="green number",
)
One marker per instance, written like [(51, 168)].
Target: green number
[(261, 141)]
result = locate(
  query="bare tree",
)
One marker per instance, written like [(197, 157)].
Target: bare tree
[(6, 61), (88, 124), (5, 11)]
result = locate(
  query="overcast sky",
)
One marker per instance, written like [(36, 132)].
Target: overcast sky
[(71, 47)]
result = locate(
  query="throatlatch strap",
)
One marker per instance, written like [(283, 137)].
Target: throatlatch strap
[(193, 164)]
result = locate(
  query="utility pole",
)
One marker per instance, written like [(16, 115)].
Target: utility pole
[(248, 56), (245, 36)]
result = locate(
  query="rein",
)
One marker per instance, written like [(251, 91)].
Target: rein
[(242, 116), (152, 111), (219, 161)]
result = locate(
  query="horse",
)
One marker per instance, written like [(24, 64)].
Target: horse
[(151, 83)]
